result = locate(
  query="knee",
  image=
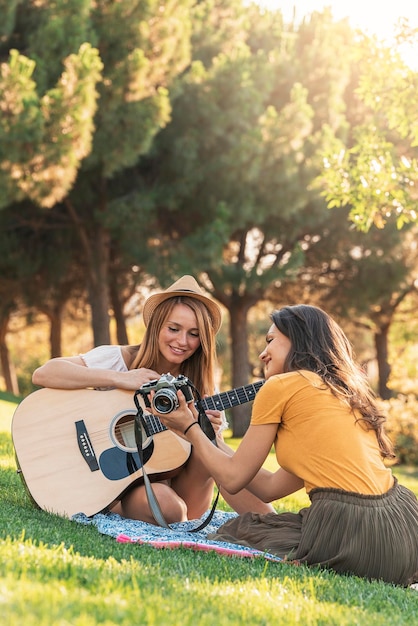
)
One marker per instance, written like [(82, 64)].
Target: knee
[(172, 506), (135, 505)]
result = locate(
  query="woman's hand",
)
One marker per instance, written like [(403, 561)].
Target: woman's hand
[(218, 421), (181, 418), (134, 379)]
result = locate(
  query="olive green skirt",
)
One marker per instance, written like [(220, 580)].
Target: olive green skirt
[(375, 537)]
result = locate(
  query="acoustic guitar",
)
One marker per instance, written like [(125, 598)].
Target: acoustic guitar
[(76, 450)]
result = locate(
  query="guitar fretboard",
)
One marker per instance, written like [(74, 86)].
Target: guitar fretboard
[(228, 399), (218, 402)]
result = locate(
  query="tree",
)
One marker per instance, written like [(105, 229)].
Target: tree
[(231, 173), (81, 105), (362, 277), (375, 173), (40, 271)]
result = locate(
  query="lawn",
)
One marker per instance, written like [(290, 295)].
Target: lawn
[(55, 572)]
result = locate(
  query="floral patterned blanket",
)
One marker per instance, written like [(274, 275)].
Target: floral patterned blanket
[(178, 536)]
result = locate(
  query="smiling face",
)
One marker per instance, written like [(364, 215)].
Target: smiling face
[(275, 352), (178, 338)]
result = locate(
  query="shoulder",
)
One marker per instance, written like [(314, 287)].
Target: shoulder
[(106, 357), (280, 392), (292, 381), (129, 353), (282, 387)]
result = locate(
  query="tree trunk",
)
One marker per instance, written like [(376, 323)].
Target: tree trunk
[(55, 332), (97, 254), (240, 362), (7, 368), (383, 367), (98, 287), (117, 306)]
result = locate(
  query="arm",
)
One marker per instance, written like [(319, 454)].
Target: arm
[(195, 484), (268, 486), (72, 373), (233, 472)]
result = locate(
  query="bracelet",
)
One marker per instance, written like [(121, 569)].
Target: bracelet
[(189, 426)]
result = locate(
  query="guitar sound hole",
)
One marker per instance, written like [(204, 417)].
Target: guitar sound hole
[(123, 432)]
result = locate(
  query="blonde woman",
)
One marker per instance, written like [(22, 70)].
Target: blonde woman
[(181, 325)]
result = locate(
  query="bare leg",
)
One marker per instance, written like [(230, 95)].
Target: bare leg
[(134, 505), (194, 486)]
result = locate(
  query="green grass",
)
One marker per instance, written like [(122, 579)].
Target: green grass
[(55, 572)]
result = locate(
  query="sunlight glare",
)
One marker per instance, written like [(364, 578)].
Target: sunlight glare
[(373, 17)]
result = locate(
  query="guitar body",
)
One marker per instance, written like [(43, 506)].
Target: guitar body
[(76, 449)]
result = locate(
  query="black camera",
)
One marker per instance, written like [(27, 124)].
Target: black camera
[(165, 399)]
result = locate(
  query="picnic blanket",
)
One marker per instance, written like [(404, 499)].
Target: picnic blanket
[(133, 531)]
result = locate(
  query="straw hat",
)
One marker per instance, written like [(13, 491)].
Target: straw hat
[(184, 286)]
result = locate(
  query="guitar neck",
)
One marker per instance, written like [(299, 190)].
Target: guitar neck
[(218, 402), (228, 399)]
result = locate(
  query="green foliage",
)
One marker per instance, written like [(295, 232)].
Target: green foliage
[(83, 95), (404, 349), (237, 157), (402, 427), (53, 31), (43, 139), (219, 26), (8, 16), (21, 115), (143, 48), (393, 104), (375, 175), (372, 179)]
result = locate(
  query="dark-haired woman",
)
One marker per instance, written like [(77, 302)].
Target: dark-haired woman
[(320, 414)]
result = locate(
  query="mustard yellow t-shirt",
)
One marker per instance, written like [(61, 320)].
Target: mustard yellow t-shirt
[(318, 438)]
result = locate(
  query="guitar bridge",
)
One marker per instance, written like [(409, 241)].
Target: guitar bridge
[(85, 446)]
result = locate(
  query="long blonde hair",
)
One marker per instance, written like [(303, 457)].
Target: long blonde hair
[(200, 367)]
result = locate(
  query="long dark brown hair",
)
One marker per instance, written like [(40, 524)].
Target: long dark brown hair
[(319, 344)]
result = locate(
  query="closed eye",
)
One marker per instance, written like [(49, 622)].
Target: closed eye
[(176, 330)]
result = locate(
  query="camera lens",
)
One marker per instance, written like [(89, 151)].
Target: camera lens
[(165, 401)]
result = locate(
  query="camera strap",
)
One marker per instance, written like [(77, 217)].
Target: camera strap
[(204, 422), (152, 498)]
